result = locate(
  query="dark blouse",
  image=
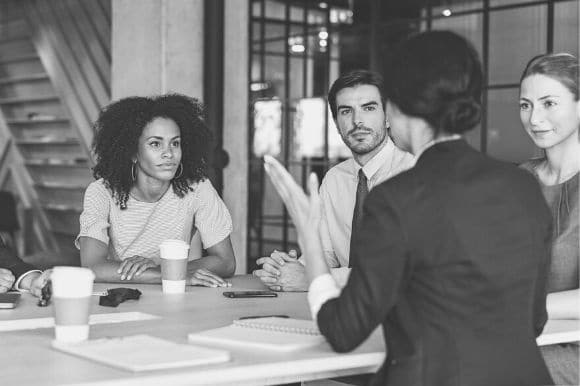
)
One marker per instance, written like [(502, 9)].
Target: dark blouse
[(563, 202)]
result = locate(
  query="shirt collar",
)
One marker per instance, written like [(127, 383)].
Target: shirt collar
[(375, 163)]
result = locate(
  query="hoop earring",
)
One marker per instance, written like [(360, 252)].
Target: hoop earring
[(180, 171), (133, 170)]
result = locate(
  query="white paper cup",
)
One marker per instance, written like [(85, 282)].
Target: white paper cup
[(174, 254), (72, 288)]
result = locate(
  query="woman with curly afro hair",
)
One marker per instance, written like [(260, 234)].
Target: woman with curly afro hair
[(151, 186)]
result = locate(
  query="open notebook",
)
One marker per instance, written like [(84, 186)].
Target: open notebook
[(143, 352), (277, 334), (560, 331)]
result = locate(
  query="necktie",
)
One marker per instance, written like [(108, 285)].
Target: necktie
[(361, 192)]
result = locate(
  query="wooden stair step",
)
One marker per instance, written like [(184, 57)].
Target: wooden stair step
[(62, 207), (41, 109), (11, 38), (60, 185), (19, 65), (47, 140), (62, 174), (65, 232), (69, 254), (65, 223), (24, 78), (65, 163), (19, 58), (38, 99), (54, 150), (26, 90), (16, 47), (36, 121), (51, 129), (60, 194), (14, 29)]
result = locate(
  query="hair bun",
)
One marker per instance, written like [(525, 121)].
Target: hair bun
[(460, 115)]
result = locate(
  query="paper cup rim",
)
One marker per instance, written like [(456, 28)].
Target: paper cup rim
[(66, 270), (174, 241)]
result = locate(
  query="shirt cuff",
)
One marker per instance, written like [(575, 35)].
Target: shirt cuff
[(17, 284), (340, 275), (321, 290)]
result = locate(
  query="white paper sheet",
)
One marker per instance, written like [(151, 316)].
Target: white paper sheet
[(31, 324)]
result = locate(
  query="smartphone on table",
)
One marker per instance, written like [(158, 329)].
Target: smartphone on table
[(250, 294), (9, 300)]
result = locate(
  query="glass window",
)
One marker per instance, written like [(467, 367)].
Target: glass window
[(267, 128), (256, 8), (256, 69), (506, 138), (450, 7), (274, 38), (566, 31), (515, 36), (498, 3), (275, 10), (468, 26)]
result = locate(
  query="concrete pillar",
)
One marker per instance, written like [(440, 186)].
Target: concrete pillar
[(235, 122), (157, 47)]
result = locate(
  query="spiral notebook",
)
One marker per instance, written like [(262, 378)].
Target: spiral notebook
[(277, 334), (143, 353)]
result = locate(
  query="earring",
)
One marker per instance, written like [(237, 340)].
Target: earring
[(133, 170), (180, 171)]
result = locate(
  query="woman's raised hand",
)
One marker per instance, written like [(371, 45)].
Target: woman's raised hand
[(305, 210)]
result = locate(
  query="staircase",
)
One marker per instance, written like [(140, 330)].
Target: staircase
[(45, 118)]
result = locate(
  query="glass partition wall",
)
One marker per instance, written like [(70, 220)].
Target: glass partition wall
[(299, 47)]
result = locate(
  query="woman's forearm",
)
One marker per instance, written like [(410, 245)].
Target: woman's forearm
[(221, 266), (106, 272), (563, 305)]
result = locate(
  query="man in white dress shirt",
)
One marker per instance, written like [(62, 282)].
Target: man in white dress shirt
[(357, 103)]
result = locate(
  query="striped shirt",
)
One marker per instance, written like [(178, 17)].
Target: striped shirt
[(139, 229)]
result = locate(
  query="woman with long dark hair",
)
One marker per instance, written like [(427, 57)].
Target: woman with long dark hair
[(152, 185), (452, 252)]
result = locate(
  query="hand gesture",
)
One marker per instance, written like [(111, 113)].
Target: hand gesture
[(304, 210), (292, 278), (135, 266), (271, 264), (206, 278), (6, 280), (39, 282)]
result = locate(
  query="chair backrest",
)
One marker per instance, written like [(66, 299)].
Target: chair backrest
[(8, 218)]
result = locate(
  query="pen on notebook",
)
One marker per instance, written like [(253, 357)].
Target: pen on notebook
[(263, 316)]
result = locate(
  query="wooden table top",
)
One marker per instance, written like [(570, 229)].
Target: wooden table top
[(28, 359)]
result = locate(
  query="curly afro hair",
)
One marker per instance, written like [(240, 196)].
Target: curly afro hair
[(117, 132)]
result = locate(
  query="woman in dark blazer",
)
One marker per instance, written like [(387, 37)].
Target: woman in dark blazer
[(453, 251)]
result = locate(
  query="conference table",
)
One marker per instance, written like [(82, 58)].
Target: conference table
[(27, 358)]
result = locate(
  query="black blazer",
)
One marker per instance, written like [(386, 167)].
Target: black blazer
[(454, 256), (10, 261)]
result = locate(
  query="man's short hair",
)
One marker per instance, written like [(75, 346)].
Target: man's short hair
[(355, 78)]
